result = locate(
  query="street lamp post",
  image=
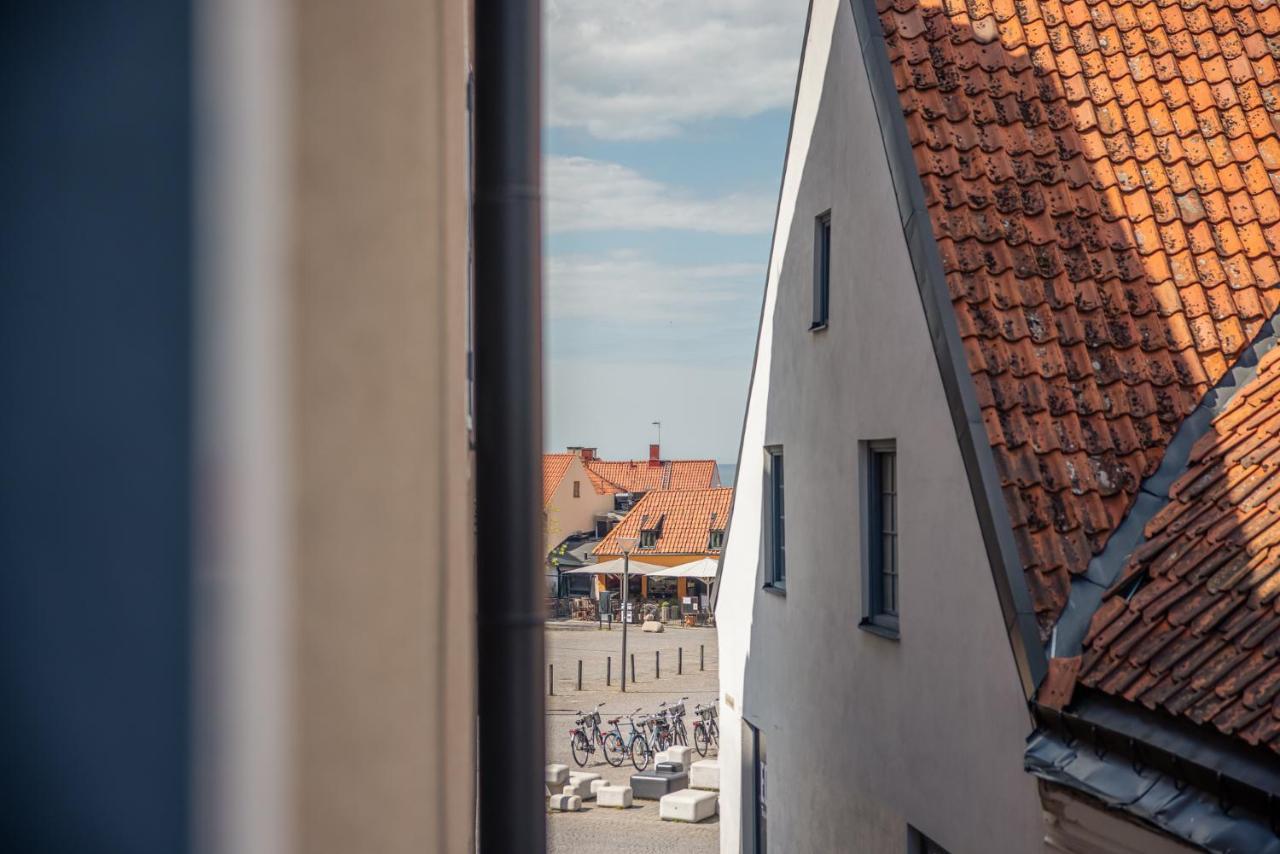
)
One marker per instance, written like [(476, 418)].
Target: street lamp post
[(627, 544)]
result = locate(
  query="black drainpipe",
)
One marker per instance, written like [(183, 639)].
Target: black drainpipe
[(508, 384)]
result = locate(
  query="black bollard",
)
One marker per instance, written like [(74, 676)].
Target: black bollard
[(680, 661), (579, 674), (551, 679), (608, 671)]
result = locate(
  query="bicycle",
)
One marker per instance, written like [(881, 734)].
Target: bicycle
[(586, 734), (675, 720), (706, 732), (615, 744), (653, 737)]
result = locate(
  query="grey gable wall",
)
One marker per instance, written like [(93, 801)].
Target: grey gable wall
[(867, 734)]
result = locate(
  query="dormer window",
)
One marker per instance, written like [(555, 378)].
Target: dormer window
[(715, 541), (649, 539)]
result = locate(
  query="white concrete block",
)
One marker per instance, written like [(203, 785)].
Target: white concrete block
[(705, 774), (614, 796), (566, 803), (597, 785), (690, 805), (677, 753), (580, 783), (652, 626), (557, 775)]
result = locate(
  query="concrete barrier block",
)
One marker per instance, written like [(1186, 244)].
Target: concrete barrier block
[(580, 783), (705, 774), (652, 626), (618, 797), (566, 803), (597, 785), (677, 753), (692, 805), (557, 775)]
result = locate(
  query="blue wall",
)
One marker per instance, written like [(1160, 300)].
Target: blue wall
[(95, 425)]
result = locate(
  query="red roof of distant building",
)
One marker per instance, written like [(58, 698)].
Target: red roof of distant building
[(682, 520), (554, 467), (641, 476)]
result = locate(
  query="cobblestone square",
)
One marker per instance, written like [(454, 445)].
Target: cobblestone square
[(638, 829)]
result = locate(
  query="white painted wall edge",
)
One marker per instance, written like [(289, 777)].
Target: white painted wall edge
[(738, 578)]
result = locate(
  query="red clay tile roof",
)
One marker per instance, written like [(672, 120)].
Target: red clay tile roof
[(553, 468), (1099, 178), (684, 519), (640, 476), (1200, 637)]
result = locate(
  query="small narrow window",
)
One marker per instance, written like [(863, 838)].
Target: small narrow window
[(648, 539), (716, 540), (821, 271), (777, 573), (577, 489), (880, 500)]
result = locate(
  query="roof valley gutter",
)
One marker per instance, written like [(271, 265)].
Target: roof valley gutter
[(1089, 588), (1021, 626), (508, 344)]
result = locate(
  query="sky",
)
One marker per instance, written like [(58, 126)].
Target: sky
[(665, 127)]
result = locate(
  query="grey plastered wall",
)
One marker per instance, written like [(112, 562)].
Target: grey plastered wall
[(868, 734)]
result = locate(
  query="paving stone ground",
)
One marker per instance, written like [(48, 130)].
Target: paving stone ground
[(637, 830)]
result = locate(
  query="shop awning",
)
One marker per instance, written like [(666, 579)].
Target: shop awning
[(614, 567), (702, 568)]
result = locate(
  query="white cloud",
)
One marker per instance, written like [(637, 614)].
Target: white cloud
[(643, 69), (630, 286), (592, 195)]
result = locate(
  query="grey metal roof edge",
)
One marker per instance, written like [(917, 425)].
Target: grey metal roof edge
[(971, 434), (764, 297), (1087, 589), (1104, 772), (1231, 771)]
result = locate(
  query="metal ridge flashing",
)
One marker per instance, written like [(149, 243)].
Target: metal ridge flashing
[(1199, 786), (1088, 589), (957, 382)]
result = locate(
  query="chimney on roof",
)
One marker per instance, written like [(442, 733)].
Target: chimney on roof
[(655, 459), (588, 454)]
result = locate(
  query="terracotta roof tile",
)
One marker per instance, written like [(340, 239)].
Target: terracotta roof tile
[(682, 518), (642, 476), (1207, 580), (554, 467), (1099, 176)]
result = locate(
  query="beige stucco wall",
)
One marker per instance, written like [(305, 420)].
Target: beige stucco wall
[(567, 515), (384, 655), (337, 577), (865, 735)]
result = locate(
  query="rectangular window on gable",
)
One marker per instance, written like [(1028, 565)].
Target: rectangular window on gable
[(577, 489), (776, 517), (880, 534), (821, 271)]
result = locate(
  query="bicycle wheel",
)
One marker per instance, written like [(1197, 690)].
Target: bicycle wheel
[(580, 748), (640, 754), (700, 740), (615, 752)]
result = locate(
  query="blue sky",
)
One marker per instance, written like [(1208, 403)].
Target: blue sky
[(665, 129)]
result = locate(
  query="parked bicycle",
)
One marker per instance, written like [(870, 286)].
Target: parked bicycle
[(706, 729), (586, 734), (675, 721), (655, 736)]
